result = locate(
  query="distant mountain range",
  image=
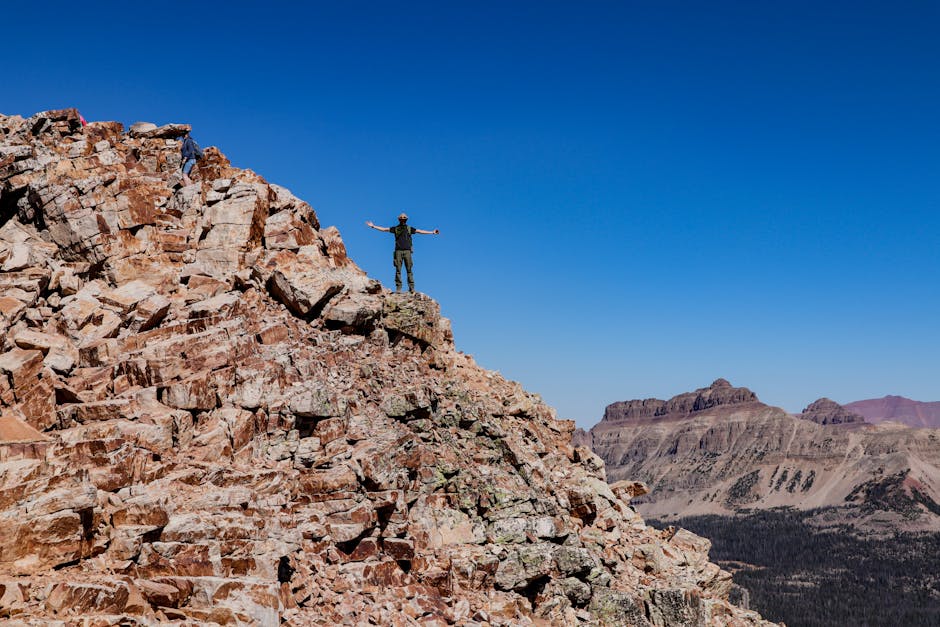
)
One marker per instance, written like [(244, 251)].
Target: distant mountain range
[(898, 409), (719, 450), (825, 517)]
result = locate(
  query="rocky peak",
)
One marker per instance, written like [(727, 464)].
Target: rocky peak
[(210, 415), (580, 437), (828, 412), (719, 393)]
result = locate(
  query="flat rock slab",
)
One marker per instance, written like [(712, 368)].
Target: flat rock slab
[(167, 131), (12, 429)]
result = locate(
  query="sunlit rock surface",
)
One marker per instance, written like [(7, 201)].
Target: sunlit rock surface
[(210, 415)]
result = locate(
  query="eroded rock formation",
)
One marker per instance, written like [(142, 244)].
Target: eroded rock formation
[(719, 394), (719, 450), (828, 412), (210, 415)]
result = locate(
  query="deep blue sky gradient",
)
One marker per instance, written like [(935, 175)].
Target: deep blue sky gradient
[(634, 197)]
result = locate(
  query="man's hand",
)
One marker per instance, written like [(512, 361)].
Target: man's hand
[(369, 224), (437, 231)]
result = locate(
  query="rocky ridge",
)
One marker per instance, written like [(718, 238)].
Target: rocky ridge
[(211, 415), (916, 414), (719, 450), (719, 394), (828, 412)]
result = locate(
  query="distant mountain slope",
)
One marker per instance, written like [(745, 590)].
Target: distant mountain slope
[(898, 409), (719, 450)]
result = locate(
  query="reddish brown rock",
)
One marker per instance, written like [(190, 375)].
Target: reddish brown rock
[(21, 367), (240, 427), (913, 413), (12, 429), (827, 412), (77, 599)]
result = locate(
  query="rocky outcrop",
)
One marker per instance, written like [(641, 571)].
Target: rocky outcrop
[(735, 453), (828, 412), (718, 394), (210, 415), (916, 414), (580, 437)]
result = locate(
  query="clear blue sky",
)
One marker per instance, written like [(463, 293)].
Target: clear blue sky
[(634, 197)]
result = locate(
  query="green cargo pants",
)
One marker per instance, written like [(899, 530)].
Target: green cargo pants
[(403, 256)]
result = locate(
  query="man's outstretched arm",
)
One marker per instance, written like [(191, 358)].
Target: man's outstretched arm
[(434, 232), (377, 228)]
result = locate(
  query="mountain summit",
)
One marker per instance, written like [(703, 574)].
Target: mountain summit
[(211, 415), (719, 393), (828, 412)]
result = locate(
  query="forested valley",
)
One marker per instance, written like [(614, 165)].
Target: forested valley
[(807, 575)]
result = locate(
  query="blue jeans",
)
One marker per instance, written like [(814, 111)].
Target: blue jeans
[(188, 166)]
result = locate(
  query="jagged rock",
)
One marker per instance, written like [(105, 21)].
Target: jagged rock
[(138, 128), (580, 437), (575, 561), (354, 312), (719, 393), (828, 412), (167, 131), (20, 367), (150, 311), (612, 607), (578, 592), (675, 607), (83, 598), (304, 294), (286, 230), (211, 415), (626, 490), (13, 597), (520, 567), (413, 315)]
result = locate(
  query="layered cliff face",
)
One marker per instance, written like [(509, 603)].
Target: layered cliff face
[(719, 394), (211, 415), (719, 450), (828, 412)]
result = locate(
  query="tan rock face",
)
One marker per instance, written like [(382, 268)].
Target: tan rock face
[(212, 416), (740, 453)]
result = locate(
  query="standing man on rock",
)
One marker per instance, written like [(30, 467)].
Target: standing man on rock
[(191, 153), (403, 234)]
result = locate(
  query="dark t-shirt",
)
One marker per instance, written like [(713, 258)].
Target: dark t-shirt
[(189, 148), (402, 233)]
